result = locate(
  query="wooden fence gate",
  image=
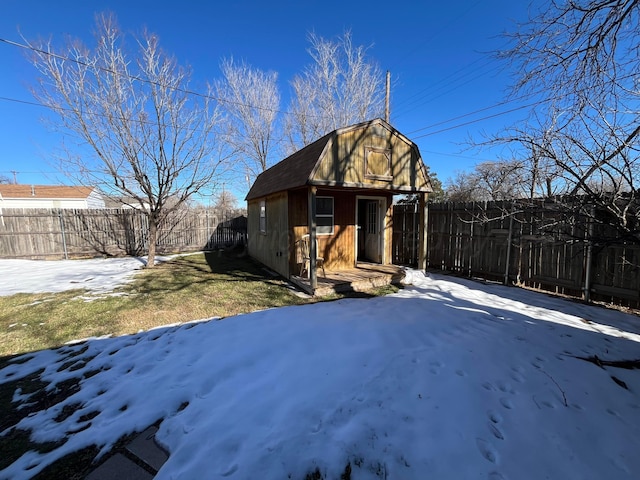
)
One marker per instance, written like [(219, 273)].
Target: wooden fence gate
[(406, 234)]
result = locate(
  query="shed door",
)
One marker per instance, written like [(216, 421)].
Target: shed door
[(370, 232)]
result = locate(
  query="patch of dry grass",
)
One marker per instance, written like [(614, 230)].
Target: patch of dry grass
[(193, 287), (188, 288)]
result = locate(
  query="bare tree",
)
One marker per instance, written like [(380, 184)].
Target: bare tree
[(4, 179), (148, 137), (226, 204), (339, 88), (251, 100), (462, 187), (580, 59), (599, 172), (499, 180), (578, 54)]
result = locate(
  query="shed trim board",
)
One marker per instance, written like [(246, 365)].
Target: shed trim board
[(336, 165), (389, 188)]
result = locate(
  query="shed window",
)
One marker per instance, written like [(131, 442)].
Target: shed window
[(263, 216), (324, 215)]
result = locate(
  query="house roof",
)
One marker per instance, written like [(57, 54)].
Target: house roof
[(297, 170), (44, 191)]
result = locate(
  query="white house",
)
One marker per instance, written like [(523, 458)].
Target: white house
[(50, 196)]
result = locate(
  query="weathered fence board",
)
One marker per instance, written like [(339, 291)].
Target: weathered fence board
[(46, 233)]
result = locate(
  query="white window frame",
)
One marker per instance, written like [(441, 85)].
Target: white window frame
[(263, 217), (326, 215)]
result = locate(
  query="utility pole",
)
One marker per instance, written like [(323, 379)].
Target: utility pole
[(15, 178), (387, 114)]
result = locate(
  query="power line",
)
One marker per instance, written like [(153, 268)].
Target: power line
[(103, 115), (414, 106), (218, 99), (26, 102), (151, 82), (455, 155), (473, 113), (430, 89), (474, 121), (283, 141)]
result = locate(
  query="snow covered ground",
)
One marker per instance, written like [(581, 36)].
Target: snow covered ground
[(97, 275), (447, 379)]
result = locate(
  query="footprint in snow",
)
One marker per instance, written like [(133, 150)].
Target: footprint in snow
[(435, 367), (487, 450), (506, 403), (548, 404), (494, 417), (488, 386), (494, 420), (505, 387), (517, 374), (495, 431), (230, 471), (621, 465)]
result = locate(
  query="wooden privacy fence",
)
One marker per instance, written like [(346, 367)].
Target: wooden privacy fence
[(64, 233), (533, 245)]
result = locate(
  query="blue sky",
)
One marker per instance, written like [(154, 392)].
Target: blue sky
[(437, 52)]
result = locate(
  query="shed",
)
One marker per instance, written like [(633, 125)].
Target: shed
[(335, 195)]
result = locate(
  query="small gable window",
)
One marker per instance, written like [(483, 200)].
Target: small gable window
[(324, 215)]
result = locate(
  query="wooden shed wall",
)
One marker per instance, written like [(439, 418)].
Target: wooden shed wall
[(344, 160), (338, 249), (270, 248)]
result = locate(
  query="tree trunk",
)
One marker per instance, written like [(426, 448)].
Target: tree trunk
[(153, 238)]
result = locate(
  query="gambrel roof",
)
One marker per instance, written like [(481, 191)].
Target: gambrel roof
[(339, 159)]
